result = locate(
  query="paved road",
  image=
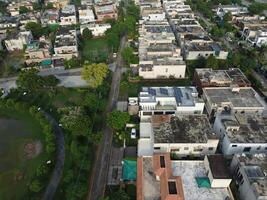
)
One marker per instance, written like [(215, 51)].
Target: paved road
[(100, 171), (60, 157)]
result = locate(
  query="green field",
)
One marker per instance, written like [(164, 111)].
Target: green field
[(95, 50), (17, 170)]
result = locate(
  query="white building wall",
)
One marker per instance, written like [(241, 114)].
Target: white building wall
[(64, 21), (176, 71)]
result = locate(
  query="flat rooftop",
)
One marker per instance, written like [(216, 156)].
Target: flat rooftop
[(246, 97), (223, 77), (249, 128), (218, 166), (189, 170), (256, 169), (181, 129)]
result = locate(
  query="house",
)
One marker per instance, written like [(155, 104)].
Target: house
[(217, 170), (234, 9), (256, 36), (155, 179), (16, 41), (233, 99), (250, 175), (27, 18), (183, 135), (241, 132), (14, 7), (193, 51), (50, 16), (57, 3), (207, 77), (68, 15), (98, 30), (153, 14), (86, 15), (86, 2), (168, 100), (66, 44), (37, 51), (105, 10), (9, 22)]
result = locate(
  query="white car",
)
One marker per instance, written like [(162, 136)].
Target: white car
[(133, 133)]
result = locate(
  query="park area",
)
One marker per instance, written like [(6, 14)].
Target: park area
[(21, 152), (95, 50)]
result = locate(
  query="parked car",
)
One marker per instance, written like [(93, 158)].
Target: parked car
[(133, 133)]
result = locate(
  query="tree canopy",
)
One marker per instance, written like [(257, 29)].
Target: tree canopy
[(95, 74), (128, 55), (117, 119), (87, 34)]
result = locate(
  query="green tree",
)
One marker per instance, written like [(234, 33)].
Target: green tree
[(128, 56), (87, 34), (23, 10), (120, 194), (35, 186), (49, 6), (36, 29), (95, 74), (41, 170), (212, 62), (117, 119), (227, 17)]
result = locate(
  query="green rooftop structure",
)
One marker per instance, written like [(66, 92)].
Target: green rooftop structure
[(45, 63), (203, 182), (129, 170)]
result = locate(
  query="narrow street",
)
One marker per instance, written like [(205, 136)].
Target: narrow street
[(100, 170), (60, 158)]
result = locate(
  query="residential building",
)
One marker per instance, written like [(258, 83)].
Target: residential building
[(68, 15), (241, 132), (57, 3), (217, 170), (86, 15), (37, 51), (256, 36), (98, 30), (27, 18), (155, 179), (250, 175), (234, 99), (194, 51), (105, 11), (153, 14), (207, 77), (234, 9), (49, 17), (9, 22), (86, 2), (168, 100), (182, 135), (16, 41), (66, 44), (14, 7), (159, 177)]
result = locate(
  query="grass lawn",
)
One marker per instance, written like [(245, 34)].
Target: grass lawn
[(16, 129), (95, 50)]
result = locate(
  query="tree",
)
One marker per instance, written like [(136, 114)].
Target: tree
[(128, 56), (212, 62), (72, 63), (36, 29), (227, 17), (117, 119), (95, 74), (23, 10), (120, 194), (87, 34), (35, 186), (41, 170)]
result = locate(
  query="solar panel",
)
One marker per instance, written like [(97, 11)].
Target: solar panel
[(152, 91), (164, 91), (177, 94)]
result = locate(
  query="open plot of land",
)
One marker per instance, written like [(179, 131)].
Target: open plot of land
[(11, 63), (189, 170), (95, 50), (17, 132)]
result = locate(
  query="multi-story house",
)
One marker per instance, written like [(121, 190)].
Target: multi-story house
[(98, 30), (50, 16), (250, 176), (57, 3), (234, 9), (66, 44), (68, 15), (16, 41), (105, 10), (14, 7), (86, 15)]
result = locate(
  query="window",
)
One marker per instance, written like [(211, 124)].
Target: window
[(247, 149), (210, 148), (265, 148), (198, 149), (259, 148), (186, 148), (234, 145), (162, 162), (172, 187), (157, 148)]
